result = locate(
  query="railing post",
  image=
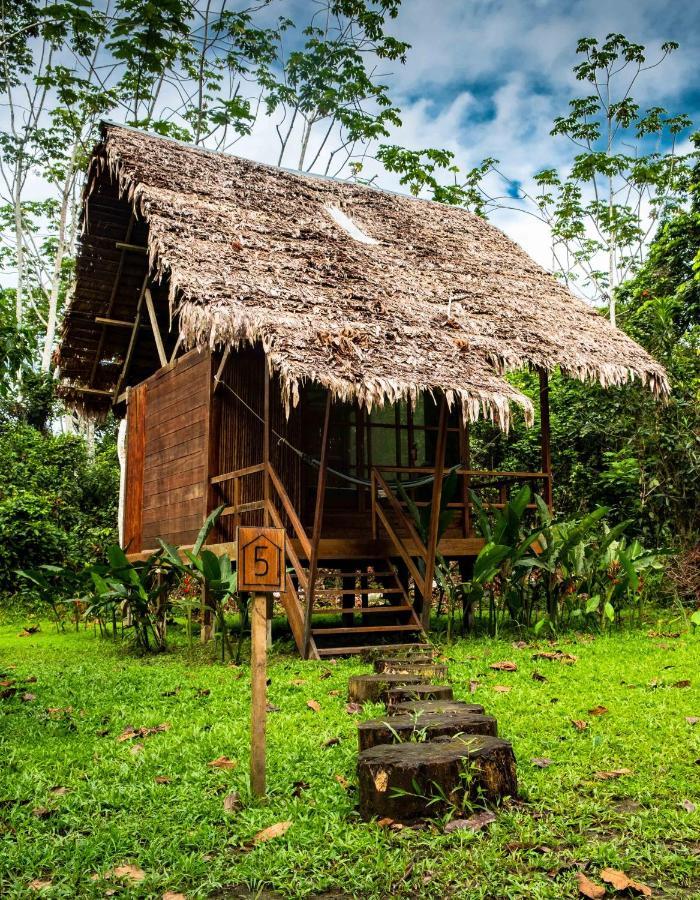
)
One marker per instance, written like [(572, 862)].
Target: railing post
[(318, 522), (545, 438), (373, 488), (431, 546)]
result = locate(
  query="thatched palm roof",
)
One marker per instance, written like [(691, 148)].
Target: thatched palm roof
[(422, 297)]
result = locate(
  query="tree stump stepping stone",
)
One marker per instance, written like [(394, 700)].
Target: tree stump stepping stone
[(404, 728), (375, 688), (427, 668), (418, 692), (449, 707), (410, 781)]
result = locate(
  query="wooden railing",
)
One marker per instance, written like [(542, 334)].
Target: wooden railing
[(463, 502), (237, 508), (296, 615)]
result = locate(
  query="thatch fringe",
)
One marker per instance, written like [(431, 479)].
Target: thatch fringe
[(445, 303)]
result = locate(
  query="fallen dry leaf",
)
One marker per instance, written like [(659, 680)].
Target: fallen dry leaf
[(334, 693), (27, 697), (613, 773), (223, 762), (38, 884), (314, 705), (385, 822), (622, 882), (298, 681), (505, 666), (129, 872), (665, 634), (59, 791), (501, 688), (299, 787), (537, 676), (274, 831), (541, 762), (519, 645), (684, 683), (692, 720), (41, 812), (135, 749), (162, 779), (579, 724), (342, 781), (473, 686), (689, 806), (589, 888), (144, 731), (331, 742), (232, 802), (353, 708), (173, 895), (271, 708), (473, 823), (598, 711), (558, 656)]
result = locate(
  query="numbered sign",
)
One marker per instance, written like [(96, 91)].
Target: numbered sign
[(260, 559)]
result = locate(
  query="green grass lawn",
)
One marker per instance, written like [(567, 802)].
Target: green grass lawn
[(113, 812)]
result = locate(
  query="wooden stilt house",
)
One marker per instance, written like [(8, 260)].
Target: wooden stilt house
[(292, 347)]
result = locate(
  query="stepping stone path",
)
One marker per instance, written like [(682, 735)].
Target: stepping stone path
[(432, 753)]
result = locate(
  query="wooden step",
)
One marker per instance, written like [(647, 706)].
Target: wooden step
[(360, 610), (364, 629), (336, 592), (367, 648)]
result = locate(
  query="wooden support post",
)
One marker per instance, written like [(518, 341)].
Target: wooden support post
[(545, 438), (464, 458), (318, 522), (132, 338), (431, 545), (267, 493), (155, 327), (110, 303), (258, 676), (270, 612)]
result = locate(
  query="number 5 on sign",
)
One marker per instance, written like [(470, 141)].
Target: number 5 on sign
[(260, 569)]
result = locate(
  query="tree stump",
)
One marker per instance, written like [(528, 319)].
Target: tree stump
[(375, 688), (412, 781), (418, 692), (423, 667), (449, 707), (401, 729)]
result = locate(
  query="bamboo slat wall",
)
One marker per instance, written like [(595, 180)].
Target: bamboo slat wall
[(175, 452)]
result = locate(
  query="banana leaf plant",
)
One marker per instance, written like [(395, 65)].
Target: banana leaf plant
[(136, 593), (217, 575)]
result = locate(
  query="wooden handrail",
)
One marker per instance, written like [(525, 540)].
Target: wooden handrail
[(400, 546), (472, 473), (291, 552), (240, 508), (290, 511), (239, 473), (398, 510)]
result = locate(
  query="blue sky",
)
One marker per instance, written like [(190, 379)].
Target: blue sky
[(487, 77)]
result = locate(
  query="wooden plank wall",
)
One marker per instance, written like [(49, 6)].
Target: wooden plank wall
[(135, 458), (175, 485)]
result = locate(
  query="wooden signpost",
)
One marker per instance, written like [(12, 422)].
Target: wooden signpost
[(261, 570)]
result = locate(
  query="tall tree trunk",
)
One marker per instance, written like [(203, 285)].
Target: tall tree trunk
[(52, 316)]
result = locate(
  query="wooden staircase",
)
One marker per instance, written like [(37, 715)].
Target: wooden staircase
[(356, 609)]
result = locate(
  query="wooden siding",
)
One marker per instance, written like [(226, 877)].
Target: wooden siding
[(176, 440), (135, 460)]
